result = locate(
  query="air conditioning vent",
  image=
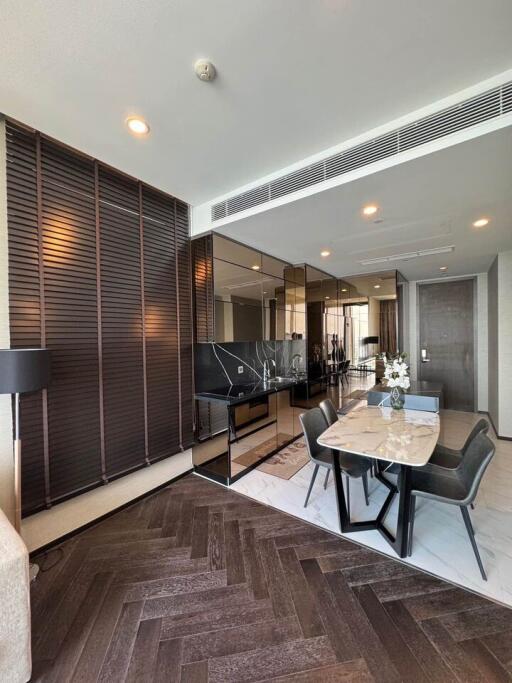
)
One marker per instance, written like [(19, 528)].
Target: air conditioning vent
[(297, 180), (506, 99), (489, 105), (219, 211), (464, 115), (362, 155), (248, 199)]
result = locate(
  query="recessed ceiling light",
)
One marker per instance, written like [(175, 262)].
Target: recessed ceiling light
[(481, 223), (327, 297), (325, 253), (376, 286), (443, 268), (370, 210), (255, 267), (137, 126), (344, 290)]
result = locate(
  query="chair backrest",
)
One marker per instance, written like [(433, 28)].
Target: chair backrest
[(329, 411), (346, 366), (313, 424), (482, 426), (475, 461)]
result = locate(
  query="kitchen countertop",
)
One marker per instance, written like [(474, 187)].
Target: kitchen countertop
[(241, 393)]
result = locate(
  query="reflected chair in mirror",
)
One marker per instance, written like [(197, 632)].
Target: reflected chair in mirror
[(455, 486), (314, 424), (344, 371)]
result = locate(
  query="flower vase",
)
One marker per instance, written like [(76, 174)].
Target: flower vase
[(397, 398)]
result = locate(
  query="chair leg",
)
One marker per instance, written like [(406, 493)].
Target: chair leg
[(315, 472), (327, 477), (411, 525), (471, 534), (365, 488), (347, 479)]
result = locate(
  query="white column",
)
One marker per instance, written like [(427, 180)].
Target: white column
[(6, 453)]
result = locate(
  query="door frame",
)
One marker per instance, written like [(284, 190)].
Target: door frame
[(454, 278)]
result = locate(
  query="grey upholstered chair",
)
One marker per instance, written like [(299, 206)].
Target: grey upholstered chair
[(455, 486), (450, 458), (313, 425)]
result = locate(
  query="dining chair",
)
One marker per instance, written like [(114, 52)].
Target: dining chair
[(449, 457), (454, 486), (344, 371), (314, 424)]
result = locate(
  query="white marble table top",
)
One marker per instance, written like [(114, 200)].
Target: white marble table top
[(403, 436)]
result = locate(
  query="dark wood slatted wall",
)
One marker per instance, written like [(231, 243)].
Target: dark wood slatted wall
[(185, 320), (71, 326), (24, 292), (202, 265), (161, 319), (99, 272)]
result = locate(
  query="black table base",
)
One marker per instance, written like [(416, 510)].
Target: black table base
[(397, 542)]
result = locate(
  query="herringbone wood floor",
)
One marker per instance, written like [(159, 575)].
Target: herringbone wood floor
[(197, 583)]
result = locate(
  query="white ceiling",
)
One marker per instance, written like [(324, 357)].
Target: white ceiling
[(424, 203), (295, 76)]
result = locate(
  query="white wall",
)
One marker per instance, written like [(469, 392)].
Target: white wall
[(504, 344), (493, 359), (481, 351), (6, 448)]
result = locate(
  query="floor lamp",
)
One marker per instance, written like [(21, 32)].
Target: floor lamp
[(22, 371)]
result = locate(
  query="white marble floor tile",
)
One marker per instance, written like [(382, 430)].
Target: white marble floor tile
[(441, 545)]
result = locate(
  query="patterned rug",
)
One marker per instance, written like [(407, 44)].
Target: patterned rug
[(287, 462), (261, 450)]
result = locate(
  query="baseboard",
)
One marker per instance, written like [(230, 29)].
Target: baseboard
[(498, 436), (52, 544)]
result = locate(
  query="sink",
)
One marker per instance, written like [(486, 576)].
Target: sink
[(277, 380)]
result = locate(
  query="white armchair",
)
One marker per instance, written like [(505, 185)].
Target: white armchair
[(15, 656)]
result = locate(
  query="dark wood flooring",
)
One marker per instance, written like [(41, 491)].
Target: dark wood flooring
[(197, 583)]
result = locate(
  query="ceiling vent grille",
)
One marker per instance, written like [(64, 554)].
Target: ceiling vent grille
[(471, 112), (506, 98)]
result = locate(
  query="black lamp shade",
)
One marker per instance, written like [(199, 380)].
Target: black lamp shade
[(23, 370)]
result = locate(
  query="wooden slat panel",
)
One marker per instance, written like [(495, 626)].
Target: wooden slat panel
[(185, 310), (202, 264), (79, 248), (121, 307), (161, 324), (71, 329), (24, 299)]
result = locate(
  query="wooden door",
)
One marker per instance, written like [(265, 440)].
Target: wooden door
[(446, 340)]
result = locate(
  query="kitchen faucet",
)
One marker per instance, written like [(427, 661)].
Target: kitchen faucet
[(296, 361), (266, 368)]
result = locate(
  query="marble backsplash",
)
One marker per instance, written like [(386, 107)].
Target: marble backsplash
[(216, 364)]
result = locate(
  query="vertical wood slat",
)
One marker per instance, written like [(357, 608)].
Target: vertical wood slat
[(100, 328), (71, 320), (84, 278), (162, 329), (184, 289), (44, 393), (143, 316), (24, 299), (121, 302)]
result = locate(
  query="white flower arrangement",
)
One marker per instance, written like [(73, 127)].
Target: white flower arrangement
[(396, 371)]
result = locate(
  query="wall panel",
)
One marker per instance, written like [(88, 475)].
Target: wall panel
[(99, 273)]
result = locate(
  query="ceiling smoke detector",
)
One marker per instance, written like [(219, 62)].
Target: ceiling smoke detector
[(205, 70)]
